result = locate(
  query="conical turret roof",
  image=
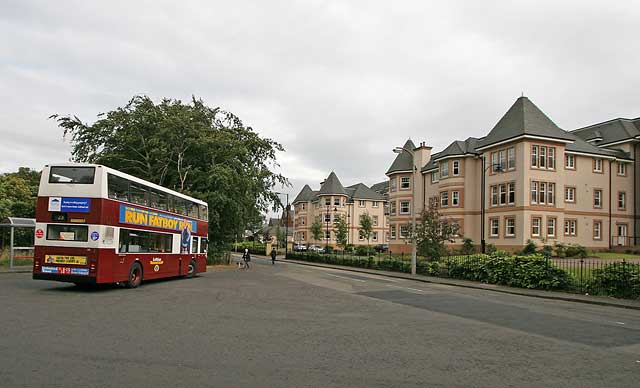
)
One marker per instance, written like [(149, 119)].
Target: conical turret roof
[(404, 160), (523, 118), (331, 186), (305, 195)]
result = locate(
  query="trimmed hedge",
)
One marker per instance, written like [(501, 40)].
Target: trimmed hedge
[(621, 280)]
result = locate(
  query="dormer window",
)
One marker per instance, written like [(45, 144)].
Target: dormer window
[(444, 169)]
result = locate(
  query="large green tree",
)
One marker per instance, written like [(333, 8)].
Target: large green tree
[(433, 230), (366, 229), (341, 230), (18, 193), (204, 152)]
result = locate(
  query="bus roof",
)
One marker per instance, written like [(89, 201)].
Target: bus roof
[(131, 178)]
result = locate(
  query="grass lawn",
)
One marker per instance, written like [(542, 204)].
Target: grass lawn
[(613, 255), (16, 262)]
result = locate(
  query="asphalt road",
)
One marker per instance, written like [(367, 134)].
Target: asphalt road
[(296, 326)]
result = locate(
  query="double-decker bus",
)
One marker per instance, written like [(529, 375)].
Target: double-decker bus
[(98, 225)]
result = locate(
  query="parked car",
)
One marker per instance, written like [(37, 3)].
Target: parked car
[(316, 249), (299, 247)]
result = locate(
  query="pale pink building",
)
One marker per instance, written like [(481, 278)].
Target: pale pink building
[(540, 183)]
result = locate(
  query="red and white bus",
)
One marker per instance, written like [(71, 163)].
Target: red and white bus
[(98, 225)]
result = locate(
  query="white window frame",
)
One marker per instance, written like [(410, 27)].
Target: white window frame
[(569, 161), (362, 203), (455, 167), (405, 181), (444, 199), (536, 226), (408, 207), (510, 225), (392, 233), (597, 231), (622, 200), (622, 169), (597, 198), (551, 225), (597, 165), (570, 194), (375, 204), (434, 176), (455, 198), (444, 169), (511, 189), (496, 226), (511, 158), (495, 197), (534, 191), (534, 156)]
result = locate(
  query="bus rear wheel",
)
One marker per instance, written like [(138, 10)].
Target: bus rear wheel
[(135, 276), (192, 269)]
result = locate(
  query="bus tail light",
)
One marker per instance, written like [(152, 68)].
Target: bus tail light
[(36, 264), (92, 265)]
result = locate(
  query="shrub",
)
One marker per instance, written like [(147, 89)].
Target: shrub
[(547, 251), (576, 251), (329, 249), (361, 250), (561, 249), (621, 280), (491, 249), (529, 248), (467, 247), (532, 271), (428, 268)]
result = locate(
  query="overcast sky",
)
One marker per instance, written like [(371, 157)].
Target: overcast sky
[(338, 83)]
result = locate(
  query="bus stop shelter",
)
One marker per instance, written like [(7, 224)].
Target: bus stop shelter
[(14, 223)]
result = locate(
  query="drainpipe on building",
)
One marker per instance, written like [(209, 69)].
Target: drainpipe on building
[(610, 231), (635, 215)]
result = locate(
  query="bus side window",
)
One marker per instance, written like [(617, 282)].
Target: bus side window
[(181, 206), (204, 213), (203, 245), (153, 198), (162, 200), (138, 194), (193, 209), (194, 244), (118, 188)]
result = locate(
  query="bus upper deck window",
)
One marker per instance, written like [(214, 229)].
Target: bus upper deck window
[(118, 188), (138, 194), (162, 200), (68, 174)]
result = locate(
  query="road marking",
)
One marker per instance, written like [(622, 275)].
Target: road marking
[(404, 288), (344, 277), (620, 323)]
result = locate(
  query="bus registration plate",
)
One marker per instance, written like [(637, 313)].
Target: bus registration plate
[(58, 259)]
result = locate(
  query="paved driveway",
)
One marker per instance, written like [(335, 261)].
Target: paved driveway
[(297, 326)]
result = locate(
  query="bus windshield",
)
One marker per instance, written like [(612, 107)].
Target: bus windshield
[(80, 175)]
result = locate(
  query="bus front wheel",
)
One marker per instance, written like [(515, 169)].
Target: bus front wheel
[(135, 275), (192, 269)]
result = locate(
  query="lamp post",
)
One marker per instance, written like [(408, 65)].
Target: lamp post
[(483, 243), (327, 219), (286, 226), (398, 150)]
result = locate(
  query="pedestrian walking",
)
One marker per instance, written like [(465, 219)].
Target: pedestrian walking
[(273, 256), (247, 258)]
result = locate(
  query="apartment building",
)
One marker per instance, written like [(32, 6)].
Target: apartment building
[(538, 182), (333, 201)]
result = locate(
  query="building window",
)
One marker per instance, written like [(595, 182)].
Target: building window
[(327, 217), (570, 194), (494, 227), (597, 198), (404, 231), (456, 168), (622, 169), (393, 184), (569, 162), (570, 227), (327, 235), (511, 156), (303, 206), (534, 192), (375, 220), (363, 203), (434, 176), (512, 192), (404, 207), (444, 199), (597, 165), (360, 235), (622, 196), (534, 156), (510, 227), (597, 230), (405, 183), (495, 165), (494, 195), (327, 201), (455, 198), (392, 208), (503, 160), (551, 158), (535, 226), (543, 157), (337, 202), (444, 169), (374, 236), (375, 204), (503, 194), (551, 227), (393, 232)]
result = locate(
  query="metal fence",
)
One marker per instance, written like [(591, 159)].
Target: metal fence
[(606, 277)]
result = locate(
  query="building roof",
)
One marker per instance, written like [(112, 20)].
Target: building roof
[(305, 195), (523, 118), (361, 191), (331, 186), (404, 160), (611, 131), (381, 187), (457, 148)]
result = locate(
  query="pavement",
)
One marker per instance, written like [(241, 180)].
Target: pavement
[(289, 325)]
